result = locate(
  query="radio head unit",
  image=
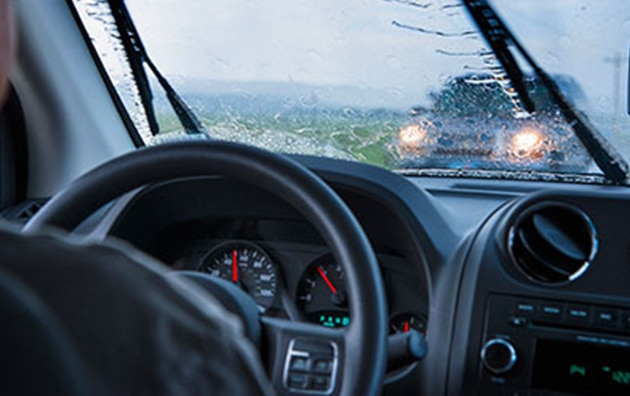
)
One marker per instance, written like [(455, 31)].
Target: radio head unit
[(554, 347)]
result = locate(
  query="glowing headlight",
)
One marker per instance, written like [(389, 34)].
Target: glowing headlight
[(527, 143), (411, 136)]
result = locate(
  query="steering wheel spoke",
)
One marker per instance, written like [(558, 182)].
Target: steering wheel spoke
[(303, 358)]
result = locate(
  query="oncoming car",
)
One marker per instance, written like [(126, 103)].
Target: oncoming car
[(472, 123), (315, 197)]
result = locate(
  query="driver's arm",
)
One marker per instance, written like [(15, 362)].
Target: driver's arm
[(136, 330)]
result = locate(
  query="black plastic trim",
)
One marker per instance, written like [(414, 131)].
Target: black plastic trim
[(15, 155), (122, 110)]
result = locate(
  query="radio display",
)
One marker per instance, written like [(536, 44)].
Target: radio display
[(581, 368)]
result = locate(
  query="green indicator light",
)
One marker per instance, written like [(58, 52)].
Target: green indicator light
[(322, 318), (621, 377), (338, 320), (606, 369), (345, 321), (574, 369), (328, 324)]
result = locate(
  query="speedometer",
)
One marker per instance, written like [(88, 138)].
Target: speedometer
[(248, 266)]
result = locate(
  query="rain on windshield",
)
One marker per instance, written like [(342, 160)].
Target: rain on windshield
[(403, 84)]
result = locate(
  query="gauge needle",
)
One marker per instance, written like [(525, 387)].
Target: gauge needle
[(406, 327), (234, 266), (328, 282)]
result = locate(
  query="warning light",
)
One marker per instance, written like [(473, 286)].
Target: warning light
[(621, 377), (334, 319), (577, 370)]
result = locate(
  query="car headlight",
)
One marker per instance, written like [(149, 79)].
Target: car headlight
[(527, 144), (411, 138)]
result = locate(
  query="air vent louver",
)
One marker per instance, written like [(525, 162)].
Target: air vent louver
[(553, 243)]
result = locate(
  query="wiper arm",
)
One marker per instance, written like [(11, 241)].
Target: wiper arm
[(499, 37), (495, 34), (138, 57)]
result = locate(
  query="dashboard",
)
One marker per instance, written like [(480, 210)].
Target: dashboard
[(253, 239), (519, 287)]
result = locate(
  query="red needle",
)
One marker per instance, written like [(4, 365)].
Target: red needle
[(406, 327), (328, 282), (234, 266)]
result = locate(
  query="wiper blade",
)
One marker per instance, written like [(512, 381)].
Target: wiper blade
[(186, 116), (495, 34), (138, 57), (499, 38)]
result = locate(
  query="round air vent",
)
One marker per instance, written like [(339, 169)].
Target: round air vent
[(553, 243)]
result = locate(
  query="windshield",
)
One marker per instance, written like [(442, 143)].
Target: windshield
[(403, 84)]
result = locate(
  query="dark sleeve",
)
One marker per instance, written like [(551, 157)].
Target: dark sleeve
[(136, 331)]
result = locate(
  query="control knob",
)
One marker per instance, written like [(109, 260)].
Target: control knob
[(498, 356)]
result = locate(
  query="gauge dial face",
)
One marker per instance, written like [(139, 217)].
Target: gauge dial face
[(248, 266), (405, 322), (321, 294)]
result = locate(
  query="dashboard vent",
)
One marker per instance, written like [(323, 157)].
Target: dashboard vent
[(553, 243)]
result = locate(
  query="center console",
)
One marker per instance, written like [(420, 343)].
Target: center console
[(551, 347)]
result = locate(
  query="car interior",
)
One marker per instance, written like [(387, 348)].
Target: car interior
[(369, 281)]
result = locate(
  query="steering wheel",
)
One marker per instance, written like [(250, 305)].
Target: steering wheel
[(355, 357)]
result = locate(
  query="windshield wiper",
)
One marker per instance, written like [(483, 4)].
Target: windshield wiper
[(490, 26), (138, 57), (499, 38)]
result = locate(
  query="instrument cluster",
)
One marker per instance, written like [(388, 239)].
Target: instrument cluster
[(315, 292)]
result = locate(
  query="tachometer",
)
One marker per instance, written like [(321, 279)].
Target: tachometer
[(321, 294), (247, 265)]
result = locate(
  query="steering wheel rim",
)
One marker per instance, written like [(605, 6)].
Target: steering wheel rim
[(366, 336)]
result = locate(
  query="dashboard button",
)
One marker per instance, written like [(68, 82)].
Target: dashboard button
[(579, 313), (320, 383), (517, 321), (298, 381), (298, 363), (322, 366), (607, 317), (552, 310), (525, 308)]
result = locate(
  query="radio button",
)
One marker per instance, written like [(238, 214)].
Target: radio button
[(498, 356), (607, 317), (525, 308), (552, 311), (517, 321), (579, 313)]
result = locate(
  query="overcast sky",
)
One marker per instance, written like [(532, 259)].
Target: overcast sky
[(354, 42)]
